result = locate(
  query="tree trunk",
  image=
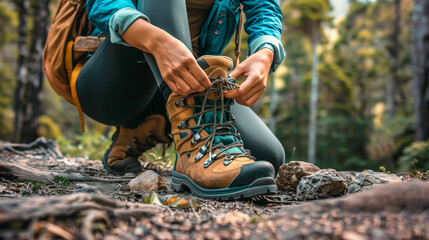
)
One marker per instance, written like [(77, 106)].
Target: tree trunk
[(312, 131), (420, 68), (274, 103), (23, 7), (27, 105), (392, 103)]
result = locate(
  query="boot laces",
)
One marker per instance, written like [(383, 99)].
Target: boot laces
[(219, 128)]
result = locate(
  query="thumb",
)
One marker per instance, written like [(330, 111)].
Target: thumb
[(238, 71), (230, 94)]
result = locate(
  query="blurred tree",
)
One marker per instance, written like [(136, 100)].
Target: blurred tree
[(308, 16), (421, 68), (394, 50), (30, 72)]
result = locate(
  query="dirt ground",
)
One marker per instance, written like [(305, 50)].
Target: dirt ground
[(107, 209)]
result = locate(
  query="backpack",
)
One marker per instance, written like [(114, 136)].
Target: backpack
[(67, 48)]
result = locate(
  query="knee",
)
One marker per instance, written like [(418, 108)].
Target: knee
[(278, 156), (273, 153)]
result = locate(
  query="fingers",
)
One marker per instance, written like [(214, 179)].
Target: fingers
[(238, 71), (249, 92), (251, 100), (199, 74), (192, 82), (185, 77)]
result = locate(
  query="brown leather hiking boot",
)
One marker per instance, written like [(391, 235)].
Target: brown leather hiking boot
[(129, 144), (211, 159)]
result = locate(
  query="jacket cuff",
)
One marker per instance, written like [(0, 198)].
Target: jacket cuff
[(277, 47), (120, 21)]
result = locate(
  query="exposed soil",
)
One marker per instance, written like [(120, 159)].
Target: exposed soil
[(106, 209)]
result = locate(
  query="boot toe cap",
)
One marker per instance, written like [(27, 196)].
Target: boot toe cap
[(249, 173)]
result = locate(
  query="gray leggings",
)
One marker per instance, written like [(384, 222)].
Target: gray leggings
[(117, 87)]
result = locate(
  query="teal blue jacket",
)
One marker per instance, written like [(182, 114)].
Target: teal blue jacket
[(263, 24)]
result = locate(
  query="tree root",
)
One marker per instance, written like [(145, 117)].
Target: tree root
[(40, 145), (23, 172)]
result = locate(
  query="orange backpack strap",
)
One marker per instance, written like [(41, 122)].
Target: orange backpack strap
[(238, 36), (73, 73)]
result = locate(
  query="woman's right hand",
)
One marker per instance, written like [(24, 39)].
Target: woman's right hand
[(177, 66)]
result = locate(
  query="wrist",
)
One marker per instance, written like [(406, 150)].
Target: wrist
[(144, 36), (267, 54)]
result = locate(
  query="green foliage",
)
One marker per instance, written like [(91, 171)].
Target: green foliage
[(8, 22), (383, 168), (161, 154), (48, 128), (416, 157), (35, 185), (61, 181), (90, 145)]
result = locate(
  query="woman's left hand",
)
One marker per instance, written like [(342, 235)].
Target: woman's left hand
[(256, 68)]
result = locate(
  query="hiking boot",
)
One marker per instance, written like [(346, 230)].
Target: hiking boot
[(211, 159), (129, 144)]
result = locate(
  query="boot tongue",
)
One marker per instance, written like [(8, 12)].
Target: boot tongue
[(217, 67), (209, 117)]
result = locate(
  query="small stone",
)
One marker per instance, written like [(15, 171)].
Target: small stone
[(369, 179), (233, 218), (349, 235), (82, 185), (2, 188), (291, 173), (125, 187), (130, 174), (147, 181), (326, 183)]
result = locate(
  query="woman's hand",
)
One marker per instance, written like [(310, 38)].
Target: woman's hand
[(177, 65), (256, 68)]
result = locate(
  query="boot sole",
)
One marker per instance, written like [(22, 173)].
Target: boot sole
[(261, 186)]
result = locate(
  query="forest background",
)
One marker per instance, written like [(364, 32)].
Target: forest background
[(352, 93)]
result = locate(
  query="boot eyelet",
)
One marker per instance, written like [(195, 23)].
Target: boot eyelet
[(180, 102), (192, 142), (198, 157), (197, 137), (227, 162), (210, 160), (203, 150), (181, 125)]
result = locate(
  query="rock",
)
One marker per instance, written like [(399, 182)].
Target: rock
[(291, 173), (326, 183), (369, 179), (147, 181)]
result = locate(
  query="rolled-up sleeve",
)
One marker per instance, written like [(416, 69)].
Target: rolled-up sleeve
[(264, 26), (113, 17)]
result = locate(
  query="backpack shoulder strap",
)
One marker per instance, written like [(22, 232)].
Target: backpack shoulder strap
[(238, 36)]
